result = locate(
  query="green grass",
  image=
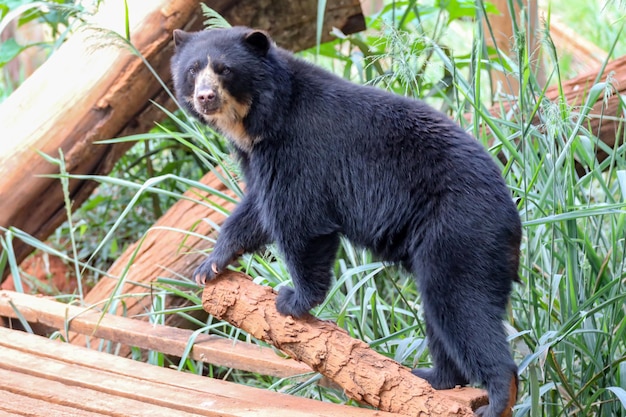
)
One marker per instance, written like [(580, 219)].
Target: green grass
[(567, 320), (594, 20)]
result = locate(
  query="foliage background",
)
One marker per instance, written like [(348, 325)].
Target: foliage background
[(567, 320)]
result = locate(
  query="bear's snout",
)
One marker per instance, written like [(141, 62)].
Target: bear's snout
[(205, 96), (206, 100)]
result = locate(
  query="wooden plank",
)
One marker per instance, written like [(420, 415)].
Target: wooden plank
[(38, 391), (114, 392), (111, 380), (26, 405), (169, 340), (7, 414)]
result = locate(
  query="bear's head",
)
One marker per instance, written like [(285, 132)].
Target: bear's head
[(217, 74)]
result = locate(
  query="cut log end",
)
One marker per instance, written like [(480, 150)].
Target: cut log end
[(363, 374)]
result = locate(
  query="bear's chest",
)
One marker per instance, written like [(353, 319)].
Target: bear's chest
[(288, 192)]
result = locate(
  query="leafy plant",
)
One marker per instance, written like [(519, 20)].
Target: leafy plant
[(567, 321)]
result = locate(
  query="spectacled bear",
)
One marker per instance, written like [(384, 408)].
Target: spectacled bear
[(323, 157)]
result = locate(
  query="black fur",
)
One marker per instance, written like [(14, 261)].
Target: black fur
[(333, 158)]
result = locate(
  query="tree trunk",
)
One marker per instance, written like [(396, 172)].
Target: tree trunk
[(364, 375), (69, 107), (94, 88)]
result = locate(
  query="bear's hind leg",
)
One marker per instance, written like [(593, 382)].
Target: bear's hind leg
[(465, 308), (445, 373), (500, 405)]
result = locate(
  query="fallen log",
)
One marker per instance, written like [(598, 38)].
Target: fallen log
[(94, 88), (94, 98), (364, 375)]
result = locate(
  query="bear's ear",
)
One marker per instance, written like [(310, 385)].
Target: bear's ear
[(180, 37), (259, 41)]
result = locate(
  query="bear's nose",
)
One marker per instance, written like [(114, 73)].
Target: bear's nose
[(205, 96)]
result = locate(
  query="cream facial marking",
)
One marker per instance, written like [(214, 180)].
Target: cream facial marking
[(220, 109), (206, 98)]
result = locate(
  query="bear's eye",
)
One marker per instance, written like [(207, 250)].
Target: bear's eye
[(222, 69), (193, 70)]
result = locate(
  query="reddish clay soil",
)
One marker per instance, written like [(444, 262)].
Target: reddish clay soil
[(50, 270)]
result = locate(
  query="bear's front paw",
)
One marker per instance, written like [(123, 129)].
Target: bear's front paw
[(206, 271), (215, 264), (290, 303)]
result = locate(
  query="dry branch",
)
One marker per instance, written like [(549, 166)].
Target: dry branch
[(365, 375)]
